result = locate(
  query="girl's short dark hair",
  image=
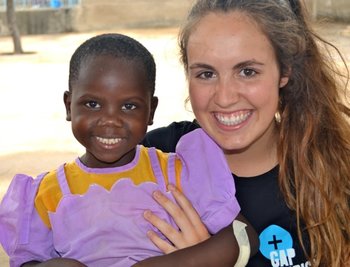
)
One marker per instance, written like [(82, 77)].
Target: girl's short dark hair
[(114, 45)]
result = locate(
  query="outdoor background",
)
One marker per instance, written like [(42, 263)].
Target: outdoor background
[(34, 135)]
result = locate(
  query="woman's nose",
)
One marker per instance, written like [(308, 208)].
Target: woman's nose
[(226, 92)]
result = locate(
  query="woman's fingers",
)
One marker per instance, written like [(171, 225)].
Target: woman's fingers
[(192, 230), (162, 226), (190, 213), (175, 211), (163, 245)]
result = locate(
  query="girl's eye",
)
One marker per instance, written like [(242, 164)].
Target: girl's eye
[(93, 105), (247, 72), (128, 106), (206, 75)]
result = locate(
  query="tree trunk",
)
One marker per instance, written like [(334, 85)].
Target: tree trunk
[(314, 9), (11, 21), (311, 7)]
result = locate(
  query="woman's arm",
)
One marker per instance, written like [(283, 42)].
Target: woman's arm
[(191, 245)]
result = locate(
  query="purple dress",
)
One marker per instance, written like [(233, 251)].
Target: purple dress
[(106, 228)]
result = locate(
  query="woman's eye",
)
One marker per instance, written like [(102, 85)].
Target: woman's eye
[(93, 105), (247, 72), (207, 75), (128, 106)]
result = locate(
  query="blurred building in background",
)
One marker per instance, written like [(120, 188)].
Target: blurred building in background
[(59, 16)]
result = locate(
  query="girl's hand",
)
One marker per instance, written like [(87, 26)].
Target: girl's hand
[(192, 230), (62, 262)]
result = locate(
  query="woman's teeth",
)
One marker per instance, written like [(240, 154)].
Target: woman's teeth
[(233, 119)]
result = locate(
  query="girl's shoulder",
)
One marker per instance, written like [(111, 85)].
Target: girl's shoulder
[(16, 207)]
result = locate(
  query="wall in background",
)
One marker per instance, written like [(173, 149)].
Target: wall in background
[(91, 15)]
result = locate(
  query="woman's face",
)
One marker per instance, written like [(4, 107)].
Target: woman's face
[(234, 81)]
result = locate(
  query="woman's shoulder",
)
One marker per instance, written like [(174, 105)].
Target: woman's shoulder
[(166, 138)]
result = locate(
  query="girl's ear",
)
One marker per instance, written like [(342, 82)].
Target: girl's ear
[(67, 99), (154, 104)]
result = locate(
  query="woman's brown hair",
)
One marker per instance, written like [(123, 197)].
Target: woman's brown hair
[(314, 130)]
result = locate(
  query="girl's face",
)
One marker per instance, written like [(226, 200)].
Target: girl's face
[(234, 81), (110, 108)]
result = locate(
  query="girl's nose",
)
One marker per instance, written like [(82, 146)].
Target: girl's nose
[(111, 117), (226, 92)]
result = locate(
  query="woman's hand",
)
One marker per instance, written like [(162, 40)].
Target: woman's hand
[(192, 230)]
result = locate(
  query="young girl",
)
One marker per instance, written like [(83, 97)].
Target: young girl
[(90, 212), (263, 87)]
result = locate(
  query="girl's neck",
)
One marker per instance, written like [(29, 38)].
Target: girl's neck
[(258, 158)]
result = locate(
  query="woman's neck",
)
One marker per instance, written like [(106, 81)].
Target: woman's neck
[(258, 158)]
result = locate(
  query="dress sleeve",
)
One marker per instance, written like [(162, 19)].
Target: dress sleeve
[(166, 138), (207, 181), (23, 235)]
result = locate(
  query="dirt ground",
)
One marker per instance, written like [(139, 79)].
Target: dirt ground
[(34, 134)]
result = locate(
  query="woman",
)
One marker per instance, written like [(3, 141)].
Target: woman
[(261, 86)]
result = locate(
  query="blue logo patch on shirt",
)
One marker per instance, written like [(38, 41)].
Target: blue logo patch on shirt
[(274, 238)]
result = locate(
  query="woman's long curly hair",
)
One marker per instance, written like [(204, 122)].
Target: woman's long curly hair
[(314, 130)]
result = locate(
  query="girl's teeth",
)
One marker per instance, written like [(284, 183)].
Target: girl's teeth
[(108, 141)]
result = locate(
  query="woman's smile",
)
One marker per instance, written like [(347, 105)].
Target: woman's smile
[(234, 118)]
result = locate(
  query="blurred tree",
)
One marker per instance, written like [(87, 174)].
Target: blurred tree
[(11, 22), (311, 6), (314, 9)]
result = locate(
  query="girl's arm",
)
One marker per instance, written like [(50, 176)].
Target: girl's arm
[(218, 250), (55, 262), (191, 246)]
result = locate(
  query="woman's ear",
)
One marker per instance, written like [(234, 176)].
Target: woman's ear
[(285, 77), (283, 81), (154, 104), (67, 99)]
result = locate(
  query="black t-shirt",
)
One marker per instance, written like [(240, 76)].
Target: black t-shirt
[(261, 203)]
